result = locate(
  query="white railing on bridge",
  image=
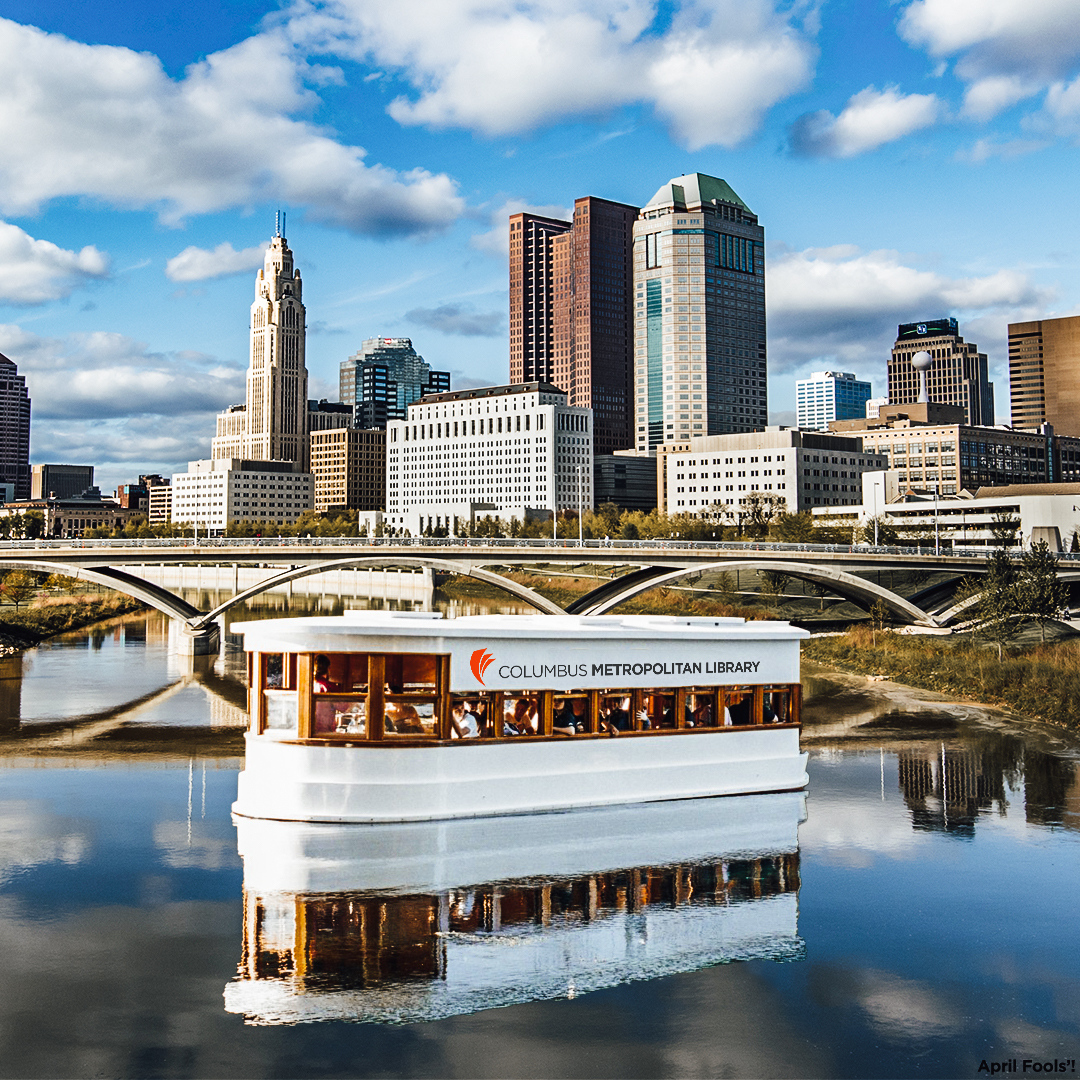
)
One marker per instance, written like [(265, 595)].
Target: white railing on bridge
[(458, 543)]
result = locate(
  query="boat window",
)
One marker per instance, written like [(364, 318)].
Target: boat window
[(777, 705), (273, 671), (701, 707), (616, 712), (466, 718), (739, 708), (281, 710), (340, 673), (521, 713), (340, 716), (483, 707), (657, 710), (410, 674), (570, 714), (409, 717)]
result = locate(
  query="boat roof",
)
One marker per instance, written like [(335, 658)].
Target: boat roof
[(354, 630)]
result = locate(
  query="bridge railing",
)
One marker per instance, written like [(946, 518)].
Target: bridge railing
[(352, 543)]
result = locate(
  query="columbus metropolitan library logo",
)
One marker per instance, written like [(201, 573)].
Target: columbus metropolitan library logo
[(480, 661)]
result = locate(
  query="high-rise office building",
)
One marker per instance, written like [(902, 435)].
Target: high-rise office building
[(827, 396), (957, 376), (383, 378), (570, 310), (532, 295), (1044, 374), (271, 425), (699, 307), (14, 429)]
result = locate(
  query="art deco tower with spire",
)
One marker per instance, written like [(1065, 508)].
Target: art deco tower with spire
[(271, 425)]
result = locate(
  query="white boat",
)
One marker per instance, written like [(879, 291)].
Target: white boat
[(385, 923), (390, 717)]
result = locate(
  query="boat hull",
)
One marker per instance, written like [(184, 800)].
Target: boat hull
[(292, 781)]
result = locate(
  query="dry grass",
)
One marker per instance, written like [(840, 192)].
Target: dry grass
[(1042, 681)]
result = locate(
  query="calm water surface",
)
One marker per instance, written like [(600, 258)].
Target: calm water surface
[(915, 917)]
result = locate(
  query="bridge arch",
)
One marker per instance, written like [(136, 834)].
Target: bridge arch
[(176, 607), (847, 585), (453, 566)]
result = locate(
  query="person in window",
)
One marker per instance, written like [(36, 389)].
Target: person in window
[(565, 720), (617, 716), (323, 682), (466, 725)]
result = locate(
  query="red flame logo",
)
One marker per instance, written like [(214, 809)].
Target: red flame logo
[(479, 662)]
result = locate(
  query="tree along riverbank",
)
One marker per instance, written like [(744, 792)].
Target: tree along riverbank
[(1040, 681), (25, 627)]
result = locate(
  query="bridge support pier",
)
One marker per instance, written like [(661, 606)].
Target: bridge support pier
[(188, 642)]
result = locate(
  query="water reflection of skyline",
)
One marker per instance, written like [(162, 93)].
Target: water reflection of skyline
[(729, 892)]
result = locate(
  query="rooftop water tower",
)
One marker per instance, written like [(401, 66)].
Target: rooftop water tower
[(922, 362)]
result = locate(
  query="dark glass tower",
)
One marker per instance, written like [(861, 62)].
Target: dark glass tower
[(14, 429)]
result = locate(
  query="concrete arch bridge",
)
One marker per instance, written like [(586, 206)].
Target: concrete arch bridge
[(123, 566)]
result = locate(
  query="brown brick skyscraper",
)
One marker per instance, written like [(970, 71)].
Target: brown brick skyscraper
[(570, 310)]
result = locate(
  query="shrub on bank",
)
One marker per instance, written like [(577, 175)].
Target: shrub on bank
[(1042, 682)]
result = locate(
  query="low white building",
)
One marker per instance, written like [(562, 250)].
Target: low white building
[(1019, 514), (216, 491), (712, 475), (499, 451)]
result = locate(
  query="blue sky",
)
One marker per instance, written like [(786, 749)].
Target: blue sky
[(908, 160)]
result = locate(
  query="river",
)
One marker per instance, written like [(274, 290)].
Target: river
[(913, 916)]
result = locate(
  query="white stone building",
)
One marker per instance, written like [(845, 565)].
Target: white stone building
[(1049, 512), (215, 492), (714, 474), (498, 451)]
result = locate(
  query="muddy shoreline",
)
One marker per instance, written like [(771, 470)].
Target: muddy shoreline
[(839, 705)]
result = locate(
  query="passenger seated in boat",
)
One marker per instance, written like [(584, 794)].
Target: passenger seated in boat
[(466, 725), (701, 715), (520, 716), (570, 719), (323, 683), (615, 714), (738, 709), (402, 719)]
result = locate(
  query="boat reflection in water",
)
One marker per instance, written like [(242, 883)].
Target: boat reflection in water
[(388, 924)]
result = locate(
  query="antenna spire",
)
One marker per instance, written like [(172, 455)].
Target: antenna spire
[(277, 223)]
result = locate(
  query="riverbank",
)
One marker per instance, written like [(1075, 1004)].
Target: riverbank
[(25, 628), (1040, 682)]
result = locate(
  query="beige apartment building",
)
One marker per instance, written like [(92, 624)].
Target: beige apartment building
[(933, 450), (1044, 374), (349, 466)]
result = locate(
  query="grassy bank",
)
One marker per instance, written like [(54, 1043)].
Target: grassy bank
[(1041, 681), (56, 615)]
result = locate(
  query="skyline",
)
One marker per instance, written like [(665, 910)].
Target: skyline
[(907, 161)]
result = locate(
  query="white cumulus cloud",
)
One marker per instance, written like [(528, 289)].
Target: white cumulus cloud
[(1006, 50), (710, 71), (869, 120), (36, 271), (842, 305), (200, 264), (109, 123)]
